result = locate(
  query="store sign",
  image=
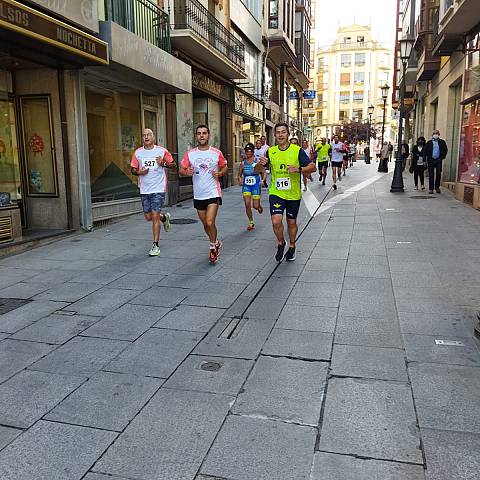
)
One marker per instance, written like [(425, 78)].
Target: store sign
[(27, 21), (208, 85), (309, 94), (293, 95), (81, 12), (246, 105)]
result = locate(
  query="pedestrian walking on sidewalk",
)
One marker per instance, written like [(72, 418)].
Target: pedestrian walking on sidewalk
[(435, 151), (206, 165), (390, 151), (287, 162), (251, 184), (383, 166), (419, 163), (149, 163)]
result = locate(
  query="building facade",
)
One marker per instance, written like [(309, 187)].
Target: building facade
[(348, 78), (442, 82)]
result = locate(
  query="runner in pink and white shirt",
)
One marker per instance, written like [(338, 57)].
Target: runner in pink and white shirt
[(206, 165), (149, 163)]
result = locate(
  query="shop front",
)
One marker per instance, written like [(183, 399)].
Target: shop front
[(248, 123), (40, 57), (468, 175)]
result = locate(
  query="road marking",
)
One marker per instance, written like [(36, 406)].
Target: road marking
[(349, 192), (311, 202)]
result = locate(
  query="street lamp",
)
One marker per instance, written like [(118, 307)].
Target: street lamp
[(406, 47), (385, 89), (371, 109)]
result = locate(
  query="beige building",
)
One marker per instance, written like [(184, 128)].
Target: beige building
[(348, 77)]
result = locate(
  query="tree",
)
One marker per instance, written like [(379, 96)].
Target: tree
[(357, 131)]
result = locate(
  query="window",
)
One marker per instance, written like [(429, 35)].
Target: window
[(342, 115), (321, 63), (360, 39), (344, 97), (359, 59), (344, 79), (273, 14), (358, 114), (319, 118), (255, 7), (346, 60), (347, 40), (359, 77), (358, 96)]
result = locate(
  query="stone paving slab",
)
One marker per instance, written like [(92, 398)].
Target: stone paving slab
[(446, 396), (107, 401), (315, 319), (46, 450), (369, 362), (15, 355), (195, 374), (451, 455), (370, 418), (299, 344), (7, 435), (127, 322), (434, 324), (422, 348), (169, 438), (135, 281), (68, 291), (29, 395), (284, 389), (102, 302), (344, 467), (22, 290), (190, 318), (56, 329), (25, 315), (264, 450), (157, 353), (81, 356)]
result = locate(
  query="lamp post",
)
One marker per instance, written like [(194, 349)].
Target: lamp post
[(385, 89), (406, 46)]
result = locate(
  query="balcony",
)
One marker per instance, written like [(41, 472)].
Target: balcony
[(459, 18), (197, 33), (444, 44), (143, 18), (428, 64)]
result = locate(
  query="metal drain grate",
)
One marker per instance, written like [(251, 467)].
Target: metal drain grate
[(210, 366), (183, 221), (421, 197), (9, 304)]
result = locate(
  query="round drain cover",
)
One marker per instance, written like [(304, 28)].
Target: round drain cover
[(210, 366), (183, 221)]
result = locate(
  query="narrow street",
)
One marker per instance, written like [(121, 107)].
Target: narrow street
[(117, 366)]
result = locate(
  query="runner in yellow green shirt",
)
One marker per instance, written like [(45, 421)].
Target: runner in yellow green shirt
[(287, 162)]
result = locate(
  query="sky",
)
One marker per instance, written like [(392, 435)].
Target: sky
[(379, 13)]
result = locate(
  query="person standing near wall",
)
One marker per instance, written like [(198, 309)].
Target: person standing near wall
[(419, 163), (435, 151)]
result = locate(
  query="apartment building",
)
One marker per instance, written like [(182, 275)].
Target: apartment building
[(78, 81), (443, 78), (348, 79)]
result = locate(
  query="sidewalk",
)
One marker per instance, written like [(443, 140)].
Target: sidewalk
[(116, 366)]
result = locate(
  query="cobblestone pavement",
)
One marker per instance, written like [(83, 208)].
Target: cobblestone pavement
[(119, 366)]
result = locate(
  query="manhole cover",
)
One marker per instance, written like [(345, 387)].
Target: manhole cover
[(183, 221), (9, 304), (210, 366), (421, 197)]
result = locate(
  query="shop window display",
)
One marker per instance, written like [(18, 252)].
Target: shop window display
[(114, 132), (469, 164)]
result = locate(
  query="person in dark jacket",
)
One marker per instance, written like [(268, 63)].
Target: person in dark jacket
[(419, 163), (404, 153), (435, 151)]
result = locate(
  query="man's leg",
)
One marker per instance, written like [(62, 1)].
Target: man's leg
[(431, 175), (207, 217), (156, 226), (438, 174), (277, 225), (292, 230)]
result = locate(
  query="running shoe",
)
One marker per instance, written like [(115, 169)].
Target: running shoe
[(290, 256), (218, 246), (280, 250), (260, 209), (213, 255), (340, 178), (251, 226), (323, 183), (154, 251), (334, 186), (166, 222)]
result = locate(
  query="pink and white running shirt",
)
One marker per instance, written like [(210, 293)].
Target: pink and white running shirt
[(204, 163), (155, 181)]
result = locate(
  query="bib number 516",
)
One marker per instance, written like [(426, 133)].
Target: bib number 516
[(283, 184)]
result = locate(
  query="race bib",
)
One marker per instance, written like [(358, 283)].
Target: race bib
[(283, 183), (324, 158), (149, 163), (250, 181)]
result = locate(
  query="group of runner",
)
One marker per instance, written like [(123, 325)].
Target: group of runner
[(287, 163)]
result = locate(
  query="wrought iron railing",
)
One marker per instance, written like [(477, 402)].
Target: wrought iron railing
[(142, 17), (191, 14)]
